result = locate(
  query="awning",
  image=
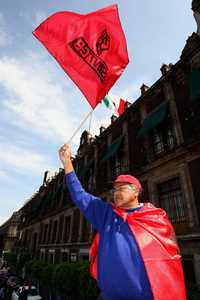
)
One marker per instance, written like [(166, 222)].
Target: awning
[(153, 120), (195, 85), (113, 148), (86, 168)]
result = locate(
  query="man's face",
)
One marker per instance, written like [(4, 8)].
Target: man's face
[(125, 195)]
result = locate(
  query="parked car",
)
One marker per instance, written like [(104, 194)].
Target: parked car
[(29, 291)]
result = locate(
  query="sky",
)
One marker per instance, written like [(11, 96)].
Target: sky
[(40, 107)]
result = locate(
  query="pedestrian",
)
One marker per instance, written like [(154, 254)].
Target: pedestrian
[(23, 294), (134, 255), (2, 289)]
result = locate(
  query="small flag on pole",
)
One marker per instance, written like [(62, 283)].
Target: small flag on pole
[(114, 103)]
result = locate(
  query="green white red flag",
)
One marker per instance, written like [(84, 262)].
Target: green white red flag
[(115, 104)]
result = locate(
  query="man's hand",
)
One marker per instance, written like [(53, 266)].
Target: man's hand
[(65, 157)]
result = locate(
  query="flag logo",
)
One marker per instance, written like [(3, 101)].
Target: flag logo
[(83, 50), (103, 42)]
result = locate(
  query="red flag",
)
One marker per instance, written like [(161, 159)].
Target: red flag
[(90, 48)]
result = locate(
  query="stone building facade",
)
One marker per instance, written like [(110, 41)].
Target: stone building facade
[(9, 233), (157, 139)]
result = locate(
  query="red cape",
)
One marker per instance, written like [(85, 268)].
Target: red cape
[(156, 239)]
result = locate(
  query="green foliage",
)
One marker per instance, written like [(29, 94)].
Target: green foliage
[(193, 292), (11, 259), (47, 274), (66, 277), (28, 266), (17, 261), (71, 278), (87, 285), (23, 258), (36, 269)]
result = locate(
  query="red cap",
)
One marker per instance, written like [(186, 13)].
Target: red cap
[(129, 179)]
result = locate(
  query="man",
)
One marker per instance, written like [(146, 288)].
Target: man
[(134, 255)]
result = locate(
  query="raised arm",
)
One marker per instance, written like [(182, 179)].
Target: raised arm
[(93, 208)]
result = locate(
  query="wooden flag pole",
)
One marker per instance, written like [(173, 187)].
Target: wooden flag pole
[(78, 128)]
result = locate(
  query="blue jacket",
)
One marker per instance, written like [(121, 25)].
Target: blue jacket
[(121, 273)]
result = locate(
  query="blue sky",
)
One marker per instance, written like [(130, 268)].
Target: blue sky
[(38, 102)]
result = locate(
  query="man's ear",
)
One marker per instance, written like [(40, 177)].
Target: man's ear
[(137, 194)]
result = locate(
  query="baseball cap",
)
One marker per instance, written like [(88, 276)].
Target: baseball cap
[(129, 179)]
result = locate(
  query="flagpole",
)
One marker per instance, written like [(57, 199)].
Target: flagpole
[(90, 122), (81, 124)]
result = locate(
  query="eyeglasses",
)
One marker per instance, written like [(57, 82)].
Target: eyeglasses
[(124, 188)]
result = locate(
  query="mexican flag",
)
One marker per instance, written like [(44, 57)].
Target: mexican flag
[(114, 103)]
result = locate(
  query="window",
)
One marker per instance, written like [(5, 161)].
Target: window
[(163, 140), (42, 255), (67, 228), (86, 227), (65, 257), (46, 256), (34, 242), (172, 201), (117, 165), (60, 230), (54, 231), (158, 144), (45, 233), (170, 139), (51, 258), (73, 257), (49, 232), (117, 162)]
